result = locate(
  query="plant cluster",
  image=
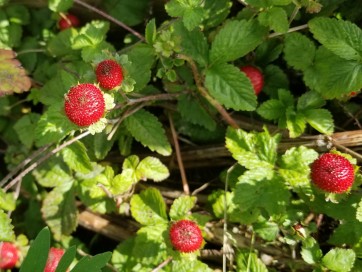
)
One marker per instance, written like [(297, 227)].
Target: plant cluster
[(98, 98)]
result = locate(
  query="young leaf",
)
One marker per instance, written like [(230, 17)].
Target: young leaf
[(91, 34), (37, 255), (7, 201), (92, 263), (60, 211), (76, 157), (151, 31), (146, 129), (299, 51), (236, 39), (6, 228), (339, 36), (148, 207), (152, 168), (339, 259), (181, 206), (230, 87)]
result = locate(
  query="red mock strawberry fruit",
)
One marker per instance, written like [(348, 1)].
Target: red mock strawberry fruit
[(8, 255), (332, 173), (70, 20), (109, 74), (84, 104), (256, 77), (54, 256), (185, 236)]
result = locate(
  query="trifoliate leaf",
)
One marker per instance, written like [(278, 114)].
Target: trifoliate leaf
[(339, 259), (6, 228), (152, 168), (230, 87), (299, 51), (341, 37), (147, 129), (148, 207), (60, 211), (181, 206), (236, 39), (13, 78), (76, 157)]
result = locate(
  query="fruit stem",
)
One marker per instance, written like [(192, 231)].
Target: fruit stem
[(110, 18), (203, 91)]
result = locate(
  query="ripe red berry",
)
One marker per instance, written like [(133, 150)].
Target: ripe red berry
[(8, 255), (332, 173), (84, 104), (185, 236), (54, 256), (70, 20), (255, 76), (109, 74)]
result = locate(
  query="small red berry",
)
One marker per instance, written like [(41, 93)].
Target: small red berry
[(84, 104), (8, 255), (255, 76), (109, 74), (332, 173), (70, 20), (54, 256), (185, 236)]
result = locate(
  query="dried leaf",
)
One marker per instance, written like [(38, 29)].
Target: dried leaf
[(13, 77)]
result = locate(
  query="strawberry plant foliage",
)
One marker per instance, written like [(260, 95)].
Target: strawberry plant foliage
[(139, 143)]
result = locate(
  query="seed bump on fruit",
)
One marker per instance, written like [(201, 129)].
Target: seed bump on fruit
[(332, 173)]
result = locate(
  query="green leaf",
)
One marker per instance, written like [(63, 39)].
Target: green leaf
[(60, 5), (259, 3), (25, 127), (341, 37), (129, 12), (249, 261), (196, 113), (191, 12), (102, 145), (236, 39), (345, 77), (91, 34), (151, 31), (60, 211), (296, 123), (53, 126), (147, 129), (93, 263), (181, 206), (294, 165), (152, 168), (253, 150), (6, 229), (310, 100), (141, 59), (230, 87), (18, 14), (194, 44), (299, 51), (76, 157), (359, 212), (216, 12), (66, 259), (339, 259), (275, 79), (268, 51), (185, 265), (272, 109), (311, 253), (276, 18), (7, 201), (37, 255), (148, 207), (266, 230), (320, 119)]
